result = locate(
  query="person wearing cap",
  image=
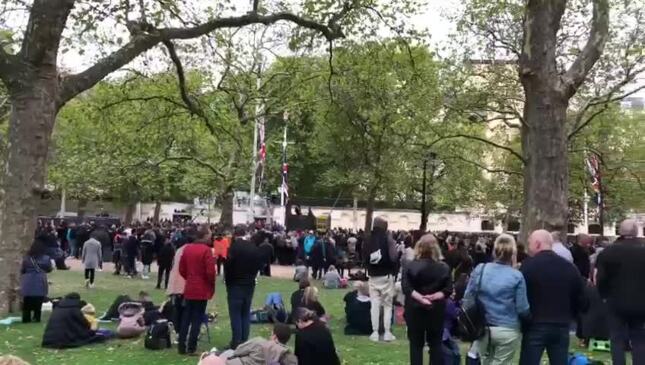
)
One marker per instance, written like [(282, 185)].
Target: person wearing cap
[(241, 268)]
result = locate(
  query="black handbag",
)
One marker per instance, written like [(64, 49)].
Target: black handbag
[(471, 322)]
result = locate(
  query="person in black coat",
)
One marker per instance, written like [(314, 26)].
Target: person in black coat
[(164, 261), (426, 283), (67, 327), (314, 343), (357, 310), (131, 249), (318, 258)]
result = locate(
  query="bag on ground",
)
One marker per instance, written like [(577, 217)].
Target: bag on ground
[(131, 323), (158, 335)]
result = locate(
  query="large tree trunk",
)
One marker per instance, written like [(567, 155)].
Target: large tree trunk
[(157, 212), (369, 211), (546, 172), (32, 119), (226, 199), (129, 213), (547, 92)]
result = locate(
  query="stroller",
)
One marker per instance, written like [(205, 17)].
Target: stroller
[(131, 322)]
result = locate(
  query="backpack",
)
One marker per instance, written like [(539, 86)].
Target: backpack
[(158, 336), (309, 244), (113, 312), (274, 305), (131, 322)]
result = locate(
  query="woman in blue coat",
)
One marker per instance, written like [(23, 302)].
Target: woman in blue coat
[(33, 281)]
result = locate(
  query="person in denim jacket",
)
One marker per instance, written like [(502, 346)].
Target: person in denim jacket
[(503, 297)]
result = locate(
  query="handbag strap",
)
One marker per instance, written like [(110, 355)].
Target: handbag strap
[(33, 262), (479, 283)]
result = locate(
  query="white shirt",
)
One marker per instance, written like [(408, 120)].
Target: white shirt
[(562, 251)]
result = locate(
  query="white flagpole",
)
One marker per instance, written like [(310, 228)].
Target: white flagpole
[(254, 163), (284, 153)]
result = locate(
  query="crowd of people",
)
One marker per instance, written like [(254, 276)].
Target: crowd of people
[(529, 295)]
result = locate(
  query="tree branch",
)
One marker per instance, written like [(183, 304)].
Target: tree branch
[(144, 41), (47, 20), (475, 138), (579, 125), (485, 168), (598, 36)]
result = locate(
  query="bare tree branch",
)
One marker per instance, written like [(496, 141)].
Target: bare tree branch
[(144, 41), (576, 74), (485, 168), (580, 125)]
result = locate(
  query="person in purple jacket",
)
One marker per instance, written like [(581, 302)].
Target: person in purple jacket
[(33, 281)]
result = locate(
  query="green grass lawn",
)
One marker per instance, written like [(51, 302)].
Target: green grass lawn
[(24, 340)]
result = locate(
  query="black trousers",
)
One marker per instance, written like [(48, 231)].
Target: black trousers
[(31, 305), (163, 273), (89, 274), (425, 326)]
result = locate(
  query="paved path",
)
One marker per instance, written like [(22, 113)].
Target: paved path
[(277, 271)]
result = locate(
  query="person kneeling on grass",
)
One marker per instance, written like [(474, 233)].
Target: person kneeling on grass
[(67, 327), (259, 351)]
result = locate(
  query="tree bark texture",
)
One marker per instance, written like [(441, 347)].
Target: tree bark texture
[(32, 120), (369, 211), (226, 218), (129, 212), (547, 93), (157, 212)]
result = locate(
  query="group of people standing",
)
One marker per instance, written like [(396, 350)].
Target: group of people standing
[(529, 294)]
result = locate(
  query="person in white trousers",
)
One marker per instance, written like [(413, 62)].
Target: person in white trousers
[(380, 259)]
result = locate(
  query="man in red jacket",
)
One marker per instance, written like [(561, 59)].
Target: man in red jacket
[(197, 267)]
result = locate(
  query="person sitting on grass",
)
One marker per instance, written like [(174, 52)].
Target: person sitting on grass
[(89, 312), (259, 351), (296, 296), (357, 310), (302, 271), (314, 343), (67, 326), (331, 279), (311, 302)]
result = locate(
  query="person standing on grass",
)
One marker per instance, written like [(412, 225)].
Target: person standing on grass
[(620, 272), (197, 267), (502, 294), (92, 257), (241, 268), (379, 256), (426, 283), (33, 281), (555, 290), (147, 251), (164, 261), (176, 286)]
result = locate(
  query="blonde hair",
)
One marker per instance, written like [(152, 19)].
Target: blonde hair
[(12, 360), (505, 249), (428, 248), (310, 295)]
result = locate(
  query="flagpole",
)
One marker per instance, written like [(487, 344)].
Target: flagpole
[(254, 164), (284, 160)]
